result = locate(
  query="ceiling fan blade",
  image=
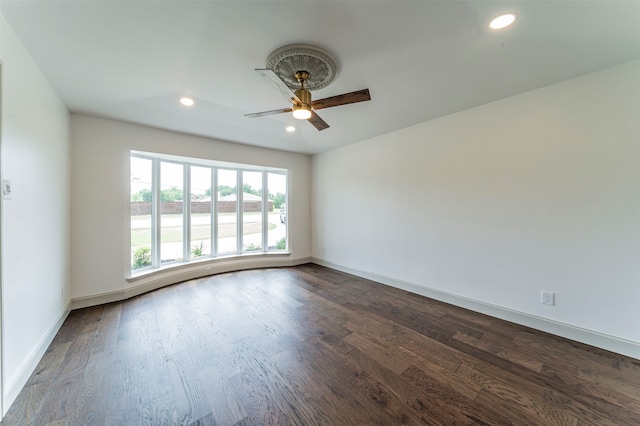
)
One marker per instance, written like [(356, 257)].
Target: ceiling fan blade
[(344, 99), (272, 78), (272, 112), (317, 122)]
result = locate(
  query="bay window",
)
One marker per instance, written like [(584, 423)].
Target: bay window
[(186, 209)]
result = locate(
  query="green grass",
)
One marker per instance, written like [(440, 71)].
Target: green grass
[(140, 237)]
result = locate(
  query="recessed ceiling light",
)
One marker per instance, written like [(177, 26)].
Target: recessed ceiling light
[(186, 101), (503, 21), (291, 129)]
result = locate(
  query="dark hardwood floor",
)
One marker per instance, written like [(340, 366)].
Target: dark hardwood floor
[(312, 346)]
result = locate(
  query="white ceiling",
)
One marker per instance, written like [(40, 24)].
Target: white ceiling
[(132, 60)]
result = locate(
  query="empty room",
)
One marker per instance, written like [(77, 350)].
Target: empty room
[(320, 212)]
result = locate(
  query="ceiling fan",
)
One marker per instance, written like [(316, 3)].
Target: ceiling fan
[(307, 67)]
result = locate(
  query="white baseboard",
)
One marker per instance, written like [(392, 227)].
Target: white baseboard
[(589, 337), (21, 376), (166, 277)]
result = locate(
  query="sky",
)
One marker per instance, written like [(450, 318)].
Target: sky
[(171, 176)]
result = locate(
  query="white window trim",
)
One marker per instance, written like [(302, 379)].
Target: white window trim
[(187, 162)]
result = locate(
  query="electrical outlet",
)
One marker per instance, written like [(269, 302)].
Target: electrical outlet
[(548, 298)]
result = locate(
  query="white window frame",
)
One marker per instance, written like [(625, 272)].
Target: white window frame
[(187, 162)]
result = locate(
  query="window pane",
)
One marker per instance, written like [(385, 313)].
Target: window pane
[(140, 182), (171, 203), (277, 211), (252, 211), (159, 201), (200, 211), (227, 211)]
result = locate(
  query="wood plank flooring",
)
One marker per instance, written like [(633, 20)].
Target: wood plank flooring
[(312, 346)]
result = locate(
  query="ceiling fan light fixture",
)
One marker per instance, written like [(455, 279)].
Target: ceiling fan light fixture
[(503, 21), (302, 112)]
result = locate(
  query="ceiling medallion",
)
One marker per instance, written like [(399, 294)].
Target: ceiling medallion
[(288, 60)]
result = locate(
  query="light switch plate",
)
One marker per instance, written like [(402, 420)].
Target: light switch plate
[(6, 189)]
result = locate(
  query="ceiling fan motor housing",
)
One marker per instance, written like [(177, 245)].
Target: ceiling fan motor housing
[(305, 96), (302, 110)]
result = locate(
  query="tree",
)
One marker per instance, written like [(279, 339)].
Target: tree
[(171, 194), (249, 190), (142, 195), (278, 200), (225, 190)]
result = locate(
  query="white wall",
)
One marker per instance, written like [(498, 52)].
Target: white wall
[(494, 204), (35, 221), (100, 198)]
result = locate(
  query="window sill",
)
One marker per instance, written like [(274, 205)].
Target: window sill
[(209, 266), (174, 273)]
